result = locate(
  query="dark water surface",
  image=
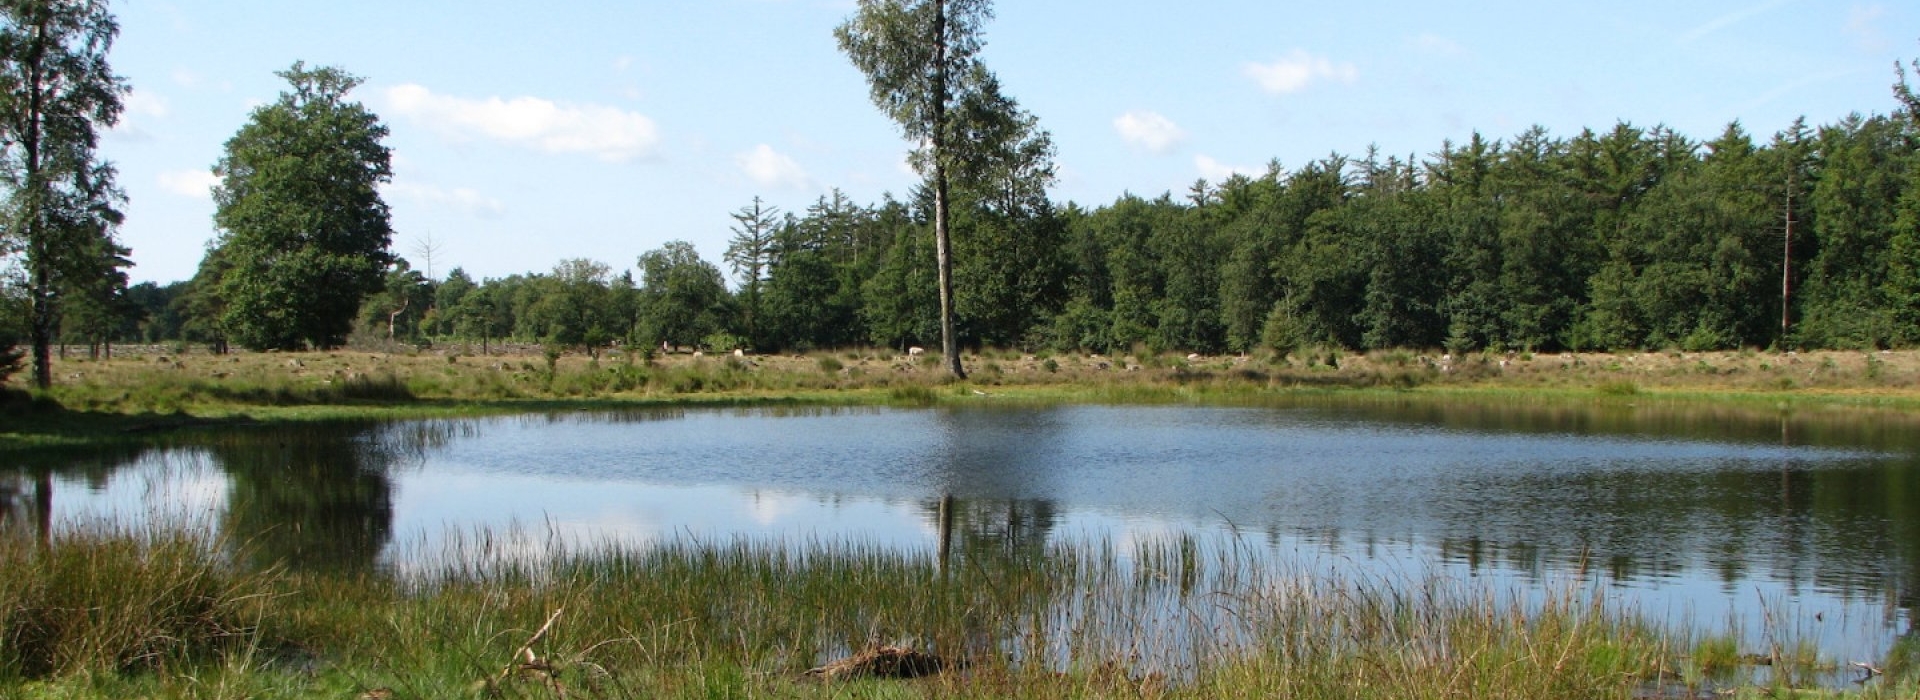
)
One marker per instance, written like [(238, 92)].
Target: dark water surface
[(1781, 522)]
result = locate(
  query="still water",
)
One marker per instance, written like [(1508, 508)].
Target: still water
[(1776, 521)]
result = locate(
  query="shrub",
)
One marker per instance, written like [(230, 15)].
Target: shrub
[(722, 342), (11, 356), (829, 364), (1619, 388)]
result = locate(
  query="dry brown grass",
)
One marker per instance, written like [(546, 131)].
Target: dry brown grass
[(166, 380)]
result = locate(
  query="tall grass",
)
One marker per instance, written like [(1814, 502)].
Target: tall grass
[(111, 612), (112, 600)]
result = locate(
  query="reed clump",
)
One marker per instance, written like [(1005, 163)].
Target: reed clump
[(111, 600), (113, 613)]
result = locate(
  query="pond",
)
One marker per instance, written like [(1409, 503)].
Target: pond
[(1768, 519)]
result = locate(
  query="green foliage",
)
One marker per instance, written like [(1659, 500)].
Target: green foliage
[(1865, 165), (682, 299), (11, 356), (722, 341), (921, 61), (303, 231), (61, 203), (1617, 388), (750, 254), (1625, 238)]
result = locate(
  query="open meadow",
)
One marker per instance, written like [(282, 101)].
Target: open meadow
[(167, 380)]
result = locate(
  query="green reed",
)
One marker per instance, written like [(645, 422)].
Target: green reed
[(106, 612)]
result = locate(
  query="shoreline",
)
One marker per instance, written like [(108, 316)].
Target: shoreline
[(145, 392)]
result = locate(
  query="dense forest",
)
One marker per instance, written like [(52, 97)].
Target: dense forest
[(1613, 239), (1627, 238)]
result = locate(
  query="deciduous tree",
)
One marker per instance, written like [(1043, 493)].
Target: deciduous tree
[(921, 57), (56, 92), (300, 216), (682, 297)]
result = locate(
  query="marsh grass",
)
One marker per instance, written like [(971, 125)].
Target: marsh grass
[(109, 612), (111, 600)]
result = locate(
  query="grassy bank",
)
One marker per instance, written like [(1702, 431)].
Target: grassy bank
[(155, 384), (111, 613)]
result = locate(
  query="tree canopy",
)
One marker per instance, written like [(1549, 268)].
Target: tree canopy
[(304, 233)]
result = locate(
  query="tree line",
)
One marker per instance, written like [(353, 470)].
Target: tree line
[(1621, 238), (1624, 239)]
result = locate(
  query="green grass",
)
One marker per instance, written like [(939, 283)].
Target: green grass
[(109, 612)]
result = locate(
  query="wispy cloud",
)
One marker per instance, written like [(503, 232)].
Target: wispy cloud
[(1149, 131), (1298, 71), (1791, 87), (771, 168), (144, 103), (1437, 45), (1863, 22), (197, 184), (608, 133), (462, 199), (1729, 19), (1216, 171), (139, 106)]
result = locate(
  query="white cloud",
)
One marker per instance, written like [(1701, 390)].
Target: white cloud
[(770, 168), (197, 184), (463, 199), (1215, 171), (610, 134), (186, 78), (1299, 70), (1150, 131)]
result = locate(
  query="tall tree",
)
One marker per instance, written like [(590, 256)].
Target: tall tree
[(920, 58), (1863, 164), (56, 92), (682, 298), (1904, 92), (750, 254), (300, 215), (1010, 256)]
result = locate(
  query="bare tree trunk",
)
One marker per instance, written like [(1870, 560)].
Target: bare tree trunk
[(404, 301)]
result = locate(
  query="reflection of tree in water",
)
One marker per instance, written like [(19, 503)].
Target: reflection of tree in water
[(982, 526), (319, 497), (27, 485), (1848, 529), (991, 463), (26, 503)]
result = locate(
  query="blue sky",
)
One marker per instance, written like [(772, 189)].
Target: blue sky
[(528, 133)]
